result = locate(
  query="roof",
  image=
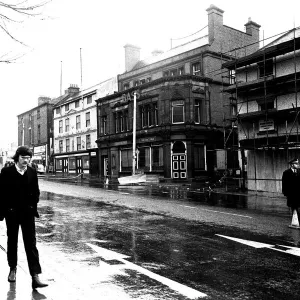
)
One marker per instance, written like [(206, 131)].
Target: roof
[(193, 44)]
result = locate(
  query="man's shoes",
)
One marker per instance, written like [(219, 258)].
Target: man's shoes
[(12, 275), (36, 283)]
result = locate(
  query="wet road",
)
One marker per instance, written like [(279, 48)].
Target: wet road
[(92, 247)]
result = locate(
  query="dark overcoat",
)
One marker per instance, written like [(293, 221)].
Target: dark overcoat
[(12, 192), (291, 188)]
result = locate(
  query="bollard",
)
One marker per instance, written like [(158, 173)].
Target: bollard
[(295, 220)]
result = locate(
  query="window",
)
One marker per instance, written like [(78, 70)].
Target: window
[(136, 83), (78, 125), (88, 119), (88, 141), (67, 107), (265, 68), (197, 112), (196, 68), (103, 125), (85, 162), (142, 81), (38, 114), (157, 156), (67, 125), (58, 164), (126, 158), (72, 163), (89, 100), (173, 72), (165, 73), (60, 145), (149, 115), (30, 135), (121, 121), (67, 145), (144, 157), (57, 110), (78, 143), (39, 133), (76, 103), (30, 117), (200, 112), (199, 157), (60, 126), (178, 111), (126, 86), (148, 79)]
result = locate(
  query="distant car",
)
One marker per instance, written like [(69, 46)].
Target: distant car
[(37, 165)]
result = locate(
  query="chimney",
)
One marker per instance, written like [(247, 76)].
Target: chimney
[(72, 90), (132, 56), (43, 100), (215, 21), (252, 28), (157, 52)]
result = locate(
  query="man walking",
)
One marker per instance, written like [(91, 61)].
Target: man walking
[(290, 189), (18, 205)]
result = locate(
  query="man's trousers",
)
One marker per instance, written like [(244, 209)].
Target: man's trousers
[(27, 223)]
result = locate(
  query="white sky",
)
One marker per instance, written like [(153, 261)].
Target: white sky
[(101, 28)]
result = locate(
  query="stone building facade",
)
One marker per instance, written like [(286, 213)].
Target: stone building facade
[(180, 113)]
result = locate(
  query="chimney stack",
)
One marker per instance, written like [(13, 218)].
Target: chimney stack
[(252, 28), (43, 100), (72, 89), (132, 56), (215, 21)]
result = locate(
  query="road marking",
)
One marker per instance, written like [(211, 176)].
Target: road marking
[(182, 289), (280, 248), (217, 211)]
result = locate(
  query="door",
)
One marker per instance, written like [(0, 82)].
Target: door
[(78, 165), (178, 157), (65, 165)]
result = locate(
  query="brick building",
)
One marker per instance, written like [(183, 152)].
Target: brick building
[(35, 129), (75, 129), (180, 111)]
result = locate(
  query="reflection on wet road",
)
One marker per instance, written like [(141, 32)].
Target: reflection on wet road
[(108, 251)]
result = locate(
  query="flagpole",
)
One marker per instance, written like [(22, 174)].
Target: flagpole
[(60, 78), (80, 69), (134, 135)]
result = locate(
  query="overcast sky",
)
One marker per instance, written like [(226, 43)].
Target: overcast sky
[(101, 28)]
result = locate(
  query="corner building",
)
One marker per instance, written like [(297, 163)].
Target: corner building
[(180, 111)]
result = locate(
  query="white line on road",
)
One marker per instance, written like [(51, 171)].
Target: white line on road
[(280, 248), (216, 211), (182, 289)]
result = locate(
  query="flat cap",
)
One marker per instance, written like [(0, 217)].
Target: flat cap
[(294, 161)]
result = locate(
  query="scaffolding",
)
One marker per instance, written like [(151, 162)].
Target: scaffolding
[(264, 109)]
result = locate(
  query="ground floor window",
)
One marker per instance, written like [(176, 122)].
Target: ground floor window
[(157, 156), (148, 157), (126, 158), (58, 165), (86, 162), (72, 163), (199, 157), (144, 157)]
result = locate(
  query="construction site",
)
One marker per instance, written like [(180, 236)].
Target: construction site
[(263, 92)]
